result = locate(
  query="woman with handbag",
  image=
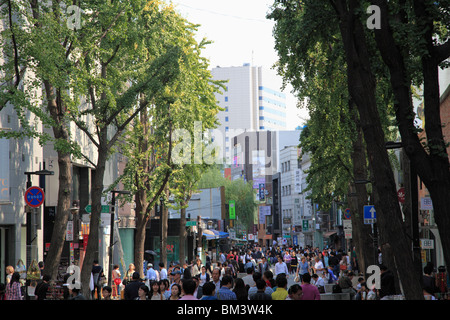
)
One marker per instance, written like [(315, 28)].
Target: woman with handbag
[(116, 282), (343, 265), (129, 274)]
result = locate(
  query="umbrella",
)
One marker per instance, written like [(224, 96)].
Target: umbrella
[(153, 253)]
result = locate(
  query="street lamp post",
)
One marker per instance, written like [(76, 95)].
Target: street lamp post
[(74, 211), (31, 233), (111, 231)]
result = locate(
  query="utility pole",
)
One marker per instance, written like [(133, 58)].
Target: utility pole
[(199, 237)]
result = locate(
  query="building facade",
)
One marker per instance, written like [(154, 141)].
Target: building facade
[(252, 101)]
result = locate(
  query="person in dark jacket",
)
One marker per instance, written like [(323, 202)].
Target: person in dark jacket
[(260, 294), (42, 288), (132, 288), (387, 282)]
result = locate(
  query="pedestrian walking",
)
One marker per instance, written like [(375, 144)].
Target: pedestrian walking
[(155, 291), (295, 292), (129, 274), (175, 292), (97, 274), (41, 289), (387, 283), (294, 262), (143, 293), (240, 289), (260, 293), (287, 259), (116, 282), (131, 291), (310, 292), (106, 292), (209, 291), (13, 288), (225, 292), (188, 289), (303, 268), (281, 292), (281, 267)]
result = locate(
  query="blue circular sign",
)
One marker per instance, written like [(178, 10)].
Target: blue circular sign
[(34, 197), (347, 213)]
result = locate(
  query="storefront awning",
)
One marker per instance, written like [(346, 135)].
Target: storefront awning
[(211, 234), (329, 234)]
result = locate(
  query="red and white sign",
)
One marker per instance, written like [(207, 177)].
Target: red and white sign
[(34, 197), (401, 195)]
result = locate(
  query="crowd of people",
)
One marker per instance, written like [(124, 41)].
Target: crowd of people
[(246, 273)]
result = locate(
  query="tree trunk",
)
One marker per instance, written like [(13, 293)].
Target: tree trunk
[(141, 224), (183, 233), (361, 85), (366, 249), (65, 186), (94, 224), (432, 166), (139, 243), (62, 216)]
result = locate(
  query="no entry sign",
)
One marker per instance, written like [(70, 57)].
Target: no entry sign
[(34, 197)]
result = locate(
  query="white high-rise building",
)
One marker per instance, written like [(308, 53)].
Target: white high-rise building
[(253, 101)]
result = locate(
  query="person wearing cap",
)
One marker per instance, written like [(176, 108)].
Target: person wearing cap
[(151, 274), (176, 273), (132, 288)]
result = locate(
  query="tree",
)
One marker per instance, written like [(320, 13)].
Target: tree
[(425, 24), (361, 84), (240, 191), (151, 144), (184, 184), (313, 60)]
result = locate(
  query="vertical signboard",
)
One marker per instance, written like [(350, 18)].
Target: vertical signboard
[(347, 228), (232, 210)]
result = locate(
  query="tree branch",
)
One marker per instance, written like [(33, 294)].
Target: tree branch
[(82, 127)]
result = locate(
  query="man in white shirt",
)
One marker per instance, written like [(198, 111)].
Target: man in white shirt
[(151, 274), (317, 281), (318, 267), (222, 258), (281, 267), (162, 271)]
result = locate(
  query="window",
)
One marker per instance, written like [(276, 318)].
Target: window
[(226, 119), (226, 99), (289, 166), (226, 129), (226, 109), (227, 139), (289, 189)]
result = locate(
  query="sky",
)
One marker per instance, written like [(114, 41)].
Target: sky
[(240, 33)]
